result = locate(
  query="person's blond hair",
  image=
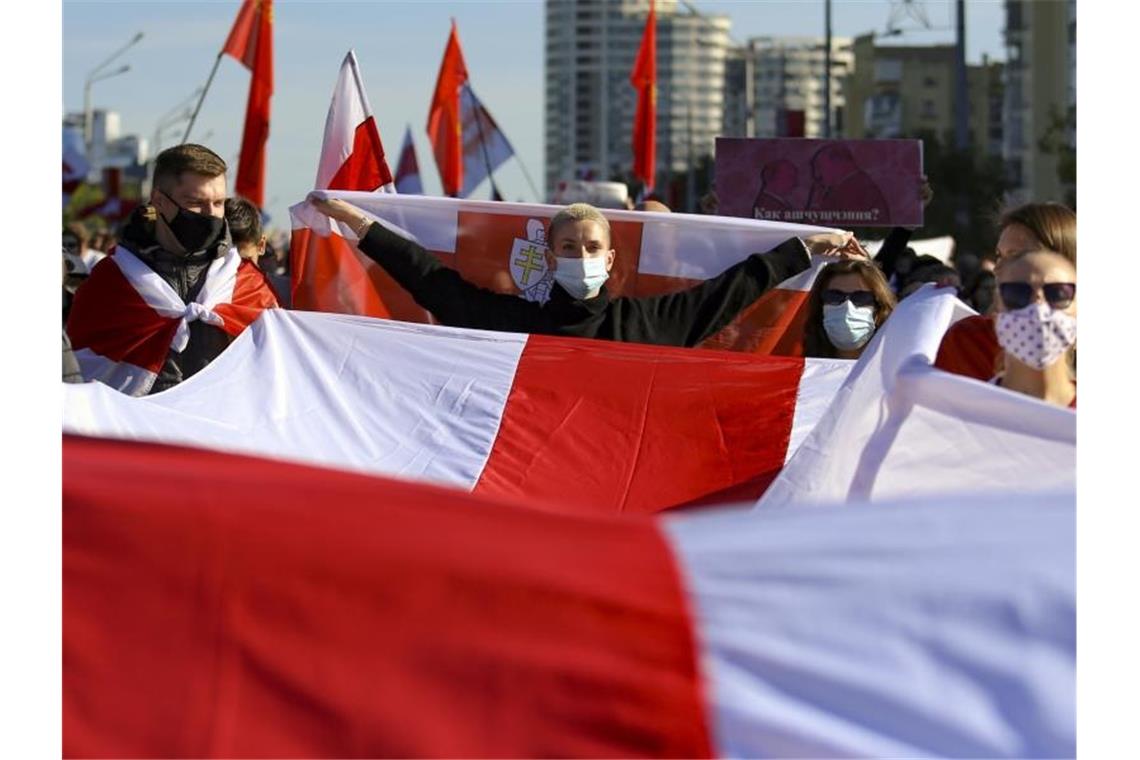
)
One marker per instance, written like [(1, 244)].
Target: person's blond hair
[(578, 212)]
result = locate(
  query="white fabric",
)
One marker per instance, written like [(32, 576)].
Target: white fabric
[(91, 257), (941, 248), (899, 427), (348, 110), (819, 383), (157, 293), (944, 627), (122, 376), (371, 395)]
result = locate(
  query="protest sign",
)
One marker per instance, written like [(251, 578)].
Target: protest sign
[(845, 183)]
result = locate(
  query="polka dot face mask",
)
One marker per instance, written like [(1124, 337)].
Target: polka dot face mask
[(1037, 334)]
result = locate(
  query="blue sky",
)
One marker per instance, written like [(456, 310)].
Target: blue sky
[(399, 46)]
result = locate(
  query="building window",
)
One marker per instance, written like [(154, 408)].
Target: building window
[(929, 82), (928, 111)]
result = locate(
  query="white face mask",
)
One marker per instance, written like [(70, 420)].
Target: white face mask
[(848, 326), (1037, 335), (582, 277)]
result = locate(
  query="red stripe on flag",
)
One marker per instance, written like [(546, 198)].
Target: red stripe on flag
[(774, 324), (633, 428), (222, 605), (365, 168)]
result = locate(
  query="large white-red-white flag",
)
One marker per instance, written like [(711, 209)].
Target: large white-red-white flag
[(499, 246), (557, 423), (220, 605)]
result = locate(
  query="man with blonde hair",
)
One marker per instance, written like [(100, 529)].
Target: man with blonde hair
[(581, 255)]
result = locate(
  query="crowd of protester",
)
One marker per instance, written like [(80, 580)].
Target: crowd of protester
[(1023, 337)]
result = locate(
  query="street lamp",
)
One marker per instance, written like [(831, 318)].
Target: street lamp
[(180, 112), (95, 75)]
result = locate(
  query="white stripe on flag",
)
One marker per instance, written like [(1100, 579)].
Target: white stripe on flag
[(899, 427), (362, 394), (937, 628)]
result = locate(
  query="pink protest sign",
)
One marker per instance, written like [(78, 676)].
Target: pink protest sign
[(841, 183)]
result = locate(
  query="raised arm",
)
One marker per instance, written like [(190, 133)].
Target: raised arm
[(437, 288), (690, 316)]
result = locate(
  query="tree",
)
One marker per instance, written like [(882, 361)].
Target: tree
[(969, 188), (1059, 140)]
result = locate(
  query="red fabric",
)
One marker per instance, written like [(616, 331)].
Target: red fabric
[(365, 168), (444, 126), (256, 52), (970, 348), (109, 317), (644, 78), (632, 428), (217, 605), (252, 295), (243, 38)]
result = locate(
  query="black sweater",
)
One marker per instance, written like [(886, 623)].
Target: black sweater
[(684, 318)]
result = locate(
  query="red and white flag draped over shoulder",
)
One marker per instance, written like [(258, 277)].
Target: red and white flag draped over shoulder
[(126, 319), (500, 246), (218, 605), (500, 414), (352, 158)]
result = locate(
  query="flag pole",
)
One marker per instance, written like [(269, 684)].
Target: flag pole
[(529, 181), (205, 89)]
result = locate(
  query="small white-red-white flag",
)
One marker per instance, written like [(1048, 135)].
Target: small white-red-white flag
[(408, 168), (352, 156)]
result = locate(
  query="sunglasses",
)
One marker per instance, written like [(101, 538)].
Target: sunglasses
[(833, 297), (1018, 295)]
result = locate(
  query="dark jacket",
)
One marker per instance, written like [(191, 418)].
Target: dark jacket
[(186, 273), (684, 318)]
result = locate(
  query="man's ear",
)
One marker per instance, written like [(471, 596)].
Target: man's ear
[(611, 255), (261, 243), (551, 261)]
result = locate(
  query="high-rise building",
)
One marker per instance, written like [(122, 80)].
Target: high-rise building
[(789, 85), (590, 49), (906, 91), (1040, 86)]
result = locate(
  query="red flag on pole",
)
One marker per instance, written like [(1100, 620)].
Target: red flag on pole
[(251, 43), (644, 78), (444, 125)]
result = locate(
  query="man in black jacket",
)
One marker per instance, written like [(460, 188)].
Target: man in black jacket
[(178, 235), (581, 257)]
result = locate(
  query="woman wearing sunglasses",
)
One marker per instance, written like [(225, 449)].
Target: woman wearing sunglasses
[(1036, 326), (970, 346), (848, 302)]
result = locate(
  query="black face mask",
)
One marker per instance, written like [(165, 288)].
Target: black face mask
[(193, 230)]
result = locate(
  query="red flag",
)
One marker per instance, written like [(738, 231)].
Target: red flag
[(444, 126), (644, 78), (251, 43)]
